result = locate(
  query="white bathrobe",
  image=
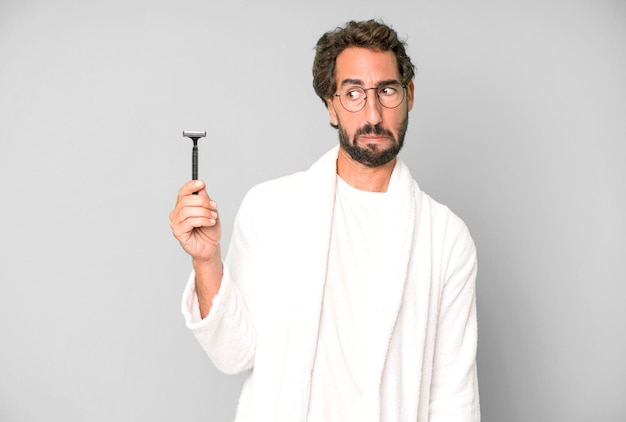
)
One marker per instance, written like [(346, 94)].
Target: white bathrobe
[(420, 353)]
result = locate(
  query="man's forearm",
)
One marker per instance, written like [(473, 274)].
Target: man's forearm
[(208, 281)]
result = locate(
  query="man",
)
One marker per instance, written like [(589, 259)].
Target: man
[(347, 293)]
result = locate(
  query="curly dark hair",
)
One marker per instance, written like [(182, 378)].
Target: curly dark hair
[(370, 34)]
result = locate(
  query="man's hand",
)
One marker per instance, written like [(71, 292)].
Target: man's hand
[(195, 222)]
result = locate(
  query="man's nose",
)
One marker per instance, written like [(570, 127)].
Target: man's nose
[(373, 110)]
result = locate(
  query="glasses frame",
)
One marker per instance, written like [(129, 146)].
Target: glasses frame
[(377, 89)]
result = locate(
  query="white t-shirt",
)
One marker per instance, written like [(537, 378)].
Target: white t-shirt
[(363, 226)]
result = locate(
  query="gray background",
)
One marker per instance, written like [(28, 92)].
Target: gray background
[(519, 126)]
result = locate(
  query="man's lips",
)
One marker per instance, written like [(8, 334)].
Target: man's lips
[(374, 138)]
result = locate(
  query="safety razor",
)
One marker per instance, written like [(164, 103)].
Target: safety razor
[(194, 135)]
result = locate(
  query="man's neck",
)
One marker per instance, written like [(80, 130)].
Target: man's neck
[(362, 177)]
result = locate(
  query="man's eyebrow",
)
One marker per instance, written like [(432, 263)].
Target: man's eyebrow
[(352, 82), (388, 82), (360, 82)]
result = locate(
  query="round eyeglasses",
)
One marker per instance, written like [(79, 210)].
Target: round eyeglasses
[(353, 98)]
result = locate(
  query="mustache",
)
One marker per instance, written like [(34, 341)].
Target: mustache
[(373, 130)]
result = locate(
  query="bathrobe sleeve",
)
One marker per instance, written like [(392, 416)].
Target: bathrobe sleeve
[(454, 387), (228, 333)]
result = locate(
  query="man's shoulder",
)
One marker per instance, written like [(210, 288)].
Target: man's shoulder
[(316, 180), (281, 186), (441, 215)]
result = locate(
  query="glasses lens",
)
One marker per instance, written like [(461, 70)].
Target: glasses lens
[(352, 98), (391, 96)]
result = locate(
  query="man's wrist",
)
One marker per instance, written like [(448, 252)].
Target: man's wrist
[(210, 264)]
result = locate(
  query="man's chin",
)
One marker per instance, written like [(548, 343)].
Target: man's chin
[(372, 155)]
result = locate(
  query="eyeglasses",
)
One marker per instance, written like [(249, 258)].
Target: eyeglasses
[(353, 98)]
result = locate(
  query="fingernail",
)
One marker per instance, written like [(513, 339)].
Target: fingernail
[(213, 204)]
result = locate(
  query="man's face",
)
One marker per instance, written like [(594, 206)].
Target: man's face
[(374, 135)]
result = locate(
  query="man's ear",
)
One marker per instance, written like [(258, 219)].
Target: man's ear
[(332, 113), (410, 95)]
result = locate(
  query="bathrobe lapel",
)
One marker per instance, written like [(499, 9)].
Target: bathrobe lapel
[(386, 297), (317, 208)]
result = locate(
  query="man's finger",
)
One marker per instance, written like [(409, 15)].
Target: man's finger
[(191, 187)]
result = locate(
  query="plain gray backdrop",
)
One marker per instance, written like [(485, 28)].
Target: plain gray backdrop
[(519, 126)]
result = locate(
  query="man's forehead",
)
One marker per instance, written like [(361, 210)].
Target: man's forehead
[(361, 64)]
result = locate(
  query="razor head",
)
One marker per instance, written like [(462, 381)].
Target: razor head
[(194, 134)]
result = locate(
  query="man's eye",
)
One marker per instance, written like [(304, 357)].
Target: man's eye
[(354, 94), (388, 91)]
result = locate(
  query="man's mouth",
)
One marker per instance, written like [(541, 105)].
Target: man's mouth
[(374, 138), (374, 133)]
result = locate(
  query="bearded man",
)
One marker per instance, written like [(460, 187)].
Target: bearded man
[(347, 294)]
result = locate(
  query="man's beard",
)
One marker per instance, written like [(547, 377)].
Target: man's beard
[(372, 155)]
